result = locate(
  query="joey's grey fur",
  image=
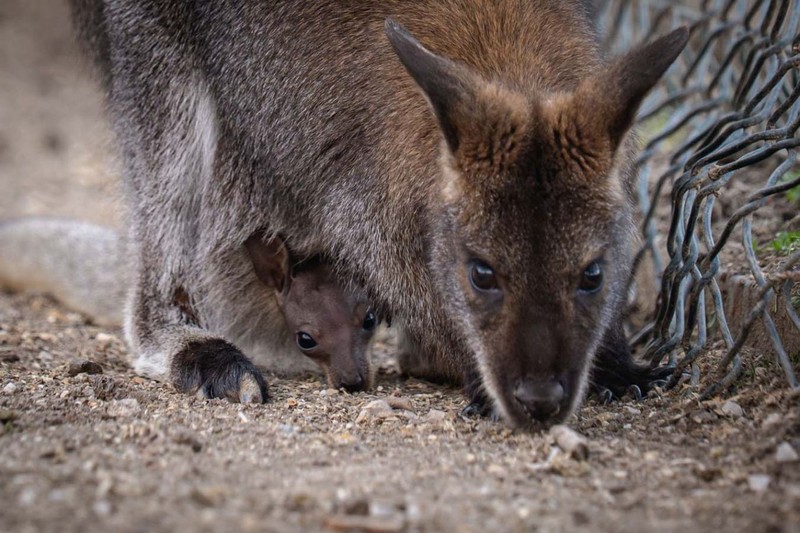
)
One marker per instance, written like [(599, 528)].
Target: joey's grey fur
[(494, 149)]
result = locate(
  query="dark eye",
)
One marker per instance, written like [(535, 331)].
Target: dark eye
[(370, 321), (592, 279), (482, 277), (306, 341)]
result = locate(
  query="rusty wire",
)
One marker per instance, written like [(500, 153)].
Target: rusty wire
[(725, 117)]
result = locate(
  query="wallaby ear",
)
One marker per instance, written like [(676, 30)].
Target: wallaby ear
[(611, 98), (270, 261), (449, 87), (482, 122)]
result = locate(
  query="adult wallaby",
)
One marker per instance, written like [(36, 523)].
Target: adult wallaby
[(83, 266), (474, 177)]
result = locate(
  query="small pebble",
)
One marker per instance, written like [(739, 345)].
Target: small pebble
[(772, 420), (784, 453), (374, 409), (496, 470), (7, 416), (357, 506), (435, 415), (10, 388), (632, 410), (209, 496), (731, 408), (399, 402), (382, 509), (83, 366), (758, 482), (27, 497), (572, 442), (124, 408), (104, 339), (102, 507), (186, 438)]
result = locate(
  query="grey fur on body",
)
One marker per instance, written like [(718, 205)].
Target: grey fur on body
[(300, 117)]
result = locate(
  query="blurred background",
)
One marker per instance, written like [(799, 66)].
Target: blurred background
[(55, 145)]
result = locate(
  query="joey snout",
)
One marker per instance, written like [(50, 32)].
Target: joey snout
[(349, 379)]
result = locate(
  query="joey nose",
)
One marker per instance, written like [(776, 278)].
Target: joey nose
[(540, 399), (352, 384)]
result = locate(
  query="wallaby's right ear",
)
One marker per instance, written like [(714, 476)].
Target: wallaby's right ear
[(270, 260), (449, 87)]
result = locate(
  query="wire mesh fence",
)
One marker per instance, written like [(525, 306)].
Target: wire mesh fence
[(719, 186)]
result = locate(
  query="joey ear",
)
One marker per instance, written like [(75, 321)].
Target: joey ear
[(270, 261), (611, 98), (449, 87)]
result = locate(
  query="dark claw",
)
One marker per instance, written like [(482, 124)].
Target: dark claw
[(605, 396), (471, 410), (479, 402), (475, 409), (637, 392)]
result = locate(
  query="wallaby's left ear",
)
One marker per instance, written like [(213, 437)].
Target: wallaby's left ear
[(270, 261), (610, 99)]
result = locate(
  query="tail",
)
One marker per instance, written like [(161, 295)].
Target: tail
[(78, 263)]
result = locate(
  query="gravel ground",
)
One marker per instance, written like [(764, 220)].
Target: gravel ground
[(87, 445), (112, 451)]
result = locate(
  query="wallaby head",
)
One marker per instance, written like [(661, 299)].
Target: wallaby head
[(332, 323), (537, 222)]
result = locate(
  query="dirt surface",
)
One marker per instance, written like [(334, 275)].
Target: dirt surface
[(111, 451)]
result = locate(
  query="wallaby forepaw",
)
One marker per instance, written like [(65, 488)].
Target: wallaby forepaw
[(216, 369), (631, 380)]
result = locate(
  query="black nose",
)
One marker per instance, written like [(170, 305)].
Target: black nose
[(352, 384), (541, 399)]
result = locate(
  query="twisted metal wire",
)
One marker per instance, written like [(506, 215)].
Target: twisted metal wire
[(731, 106)]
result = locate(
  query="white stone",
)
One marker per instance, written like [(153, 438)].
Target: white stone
[(731, 408), (784, 453), (758, 482)]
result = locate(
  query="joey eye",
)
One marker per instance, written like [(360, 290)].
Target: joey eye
[(482, 277), (370, 321), (592, 279), (305, 341)]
